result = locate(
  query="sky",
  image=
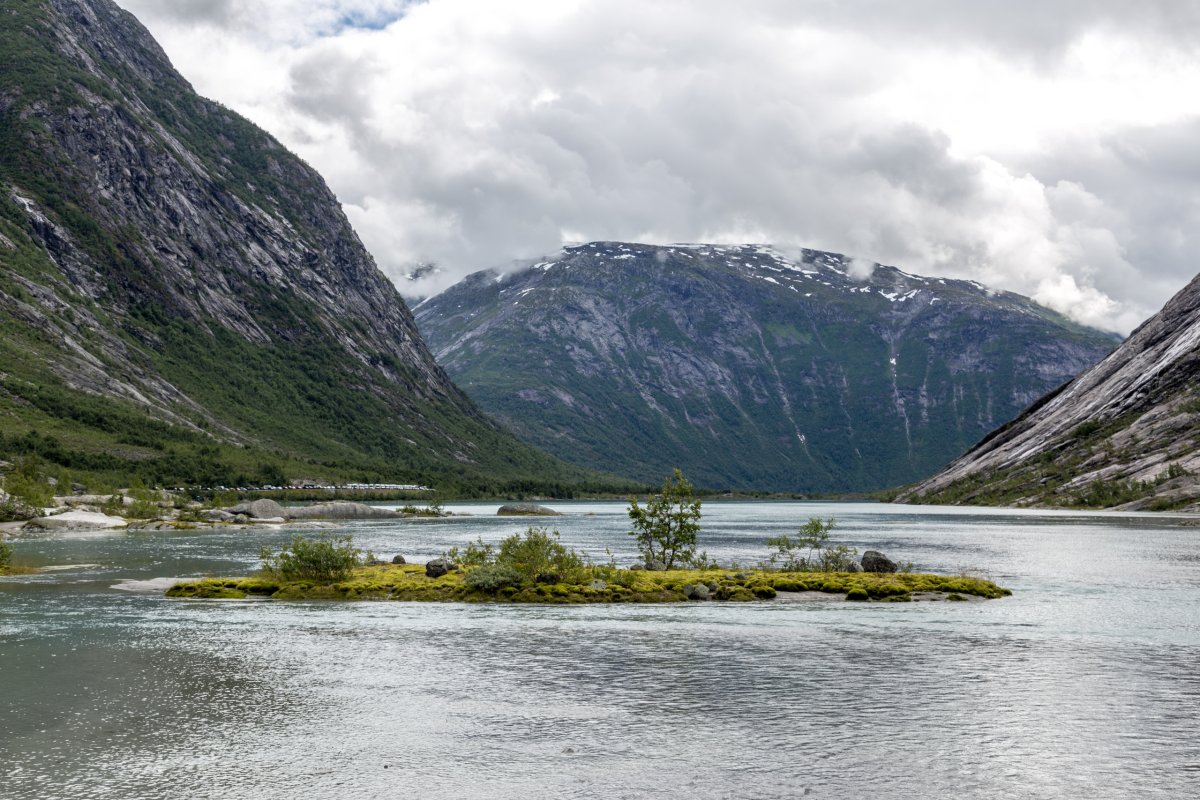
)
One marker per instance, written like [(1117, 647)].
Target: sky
[(1045, 147)]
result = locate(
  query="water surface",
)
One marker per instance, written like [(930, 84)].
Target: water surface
[(1084, 683)]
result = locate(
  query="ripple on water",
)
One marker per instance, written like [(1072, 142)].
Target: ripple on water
[(1083, 684)]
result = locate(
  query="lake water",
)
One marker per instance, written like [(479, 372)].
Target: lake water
[(1085, 683)]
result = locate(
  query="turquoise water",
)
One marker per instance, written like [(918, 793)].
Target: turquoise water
[(1084, 683)]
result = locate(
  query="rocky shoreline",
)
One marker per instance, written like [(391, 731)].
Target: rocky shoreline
[(120, 512)]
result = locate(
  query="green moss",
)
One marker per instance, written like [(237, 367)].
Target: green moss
[(880, 586), (408, 582), (206, 590)]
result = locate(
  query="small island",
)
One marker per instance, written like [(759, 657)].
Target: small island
[(412, 582), (536, 567)]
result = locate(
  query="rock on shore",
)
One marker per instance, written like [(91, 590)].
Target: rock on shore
[(526, 510), (76, 521), (259, 509), (339, 510)]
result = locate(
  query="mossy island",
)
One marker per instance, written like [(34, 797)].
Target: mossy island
[(535, 567), (410, 582)]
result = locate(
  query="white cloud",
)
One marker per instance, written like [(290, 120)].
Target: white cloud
[(860, 269), (1045, 150)]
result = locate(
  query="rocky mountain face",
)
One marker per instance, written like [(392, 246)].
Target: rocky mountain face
[(747, 368), (172, 280), (1125, 433)]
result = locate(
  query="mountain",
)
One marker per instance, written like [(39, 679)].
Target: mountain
[(183, 300), (747, 368), (1125, 433)]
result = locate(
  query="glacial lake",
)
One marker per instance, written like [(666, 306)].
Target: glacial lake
[(1085, 683)]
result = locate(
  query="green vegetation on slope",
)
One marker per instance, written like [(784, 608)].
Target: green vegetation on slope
[(183, 302)]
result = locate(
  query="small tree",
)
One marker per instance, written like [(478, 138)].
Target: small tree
[(809, 551), (666, 528)]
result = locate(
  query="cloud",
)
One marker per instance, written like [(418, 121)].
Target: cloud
[(860, 269), (1045, 150)]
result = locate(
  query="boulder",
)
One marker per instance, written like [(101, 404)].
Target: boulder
[(339, 510), (875, 561), (655, 566), (526, 510), (398, 560), (155, 525), (97, 499), (854, 566), (76, 521), (217, 515), (598, 585), (696, 591), (258, 509), (438, 567)]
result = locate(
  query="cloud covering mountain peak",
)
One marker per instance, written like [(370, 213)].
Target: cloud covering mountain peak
[(1045, 153)]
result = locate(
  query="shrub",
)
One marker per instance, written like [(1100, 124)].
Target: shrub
[(539, 552), (491, 578), (1176, 470), (114, 506), (809, 551), (326, 558), (145, 501), (27, 488), (12, 510), (434, 509), (476, 554), (6, 553), (667, 527)]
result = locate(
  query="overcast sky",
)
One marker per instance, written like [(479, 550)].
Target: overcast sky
[(1049, 147)]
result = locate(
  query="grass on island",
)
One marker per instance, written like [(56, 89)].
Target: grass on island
[(409, 582)]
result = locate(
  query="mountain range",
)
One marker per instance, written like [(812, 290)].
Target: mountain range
[(747, 367)]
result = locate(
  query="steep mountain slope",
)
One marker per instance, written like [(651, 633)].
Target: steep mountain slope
[(746, 368), (1124, 433), (182, 297)]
